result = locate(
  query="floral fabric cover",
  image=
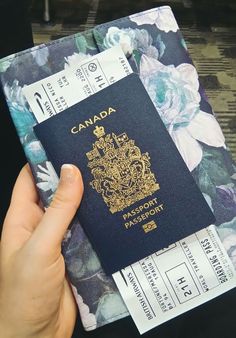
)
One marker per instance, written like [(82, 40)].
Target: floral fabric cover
[(156, 51)]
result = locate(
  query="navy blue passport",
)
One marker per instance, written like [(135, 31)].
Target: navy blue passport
[(139, 196)]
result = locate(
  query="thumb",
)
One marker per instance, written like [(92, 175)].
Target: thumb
[(51, 229)]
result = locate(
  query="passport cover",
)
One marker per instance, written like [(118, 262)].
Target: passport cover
[(157, 52), (135, 203)]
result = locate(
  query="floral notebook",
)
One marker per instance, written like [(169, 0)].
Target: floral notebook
[(157, 52)]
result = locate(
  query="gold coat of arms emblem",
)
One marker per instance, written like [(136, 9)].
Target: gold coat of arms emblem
[(121, 173)]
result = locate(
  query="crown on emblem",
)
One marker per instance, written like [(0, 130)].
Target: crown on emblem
[(99, 131)]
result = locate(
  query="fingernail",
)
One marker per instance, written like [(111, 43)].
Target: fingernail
[(67, 173)]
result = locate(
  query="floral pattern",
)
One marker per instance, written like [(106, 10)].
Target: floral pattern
[(157, 52), (48, 178), (89, 318), (175, 93), (134, 39), (163, 18), (40, 55)]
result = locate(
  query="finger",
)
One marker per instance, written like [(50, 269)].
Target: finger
[(24, 187), (23, 214), (51, 230)]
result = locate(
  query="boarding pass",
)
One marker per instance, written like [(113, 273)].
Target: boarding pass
[(176, 279), (76, 82)]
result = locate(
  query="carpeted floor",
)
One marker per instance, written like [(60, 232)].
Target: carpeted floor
[(209, 28)]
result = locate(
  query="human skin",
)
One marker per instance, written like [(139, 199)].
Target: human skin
[(35, 297)]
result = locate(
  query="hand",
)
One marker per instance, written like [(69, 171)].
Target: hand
[(35, 298)]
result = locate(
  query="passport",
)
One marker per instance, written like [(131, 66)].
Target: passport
[(139, 196)]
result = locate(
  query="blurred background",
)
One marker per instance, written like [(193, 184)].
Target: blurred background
[(208, 26)]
